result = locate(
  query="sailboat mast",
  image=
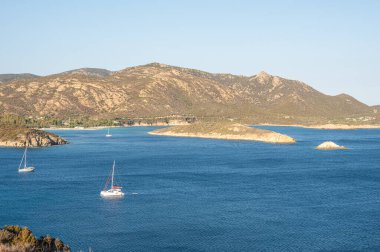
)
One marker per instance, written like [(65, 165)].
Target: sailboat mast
[(25, 156), (113, 171)]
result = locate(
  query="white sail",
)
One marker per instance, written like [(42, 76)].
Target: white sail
[(22, 159)]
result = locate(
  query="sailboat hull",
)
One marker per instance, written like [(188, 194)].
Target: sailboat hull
[(26, 169), (112, 194)]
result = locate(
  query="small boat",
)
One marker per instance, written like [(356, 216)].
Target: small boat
[(23, 160), (108, 133), (114, 191)]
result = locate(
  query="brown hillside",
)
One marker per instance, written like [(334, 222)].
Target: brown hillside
[(162, 90)]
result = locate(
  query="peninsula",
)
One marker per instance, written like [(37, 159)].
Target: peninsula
[(224, 130), (26, 137)]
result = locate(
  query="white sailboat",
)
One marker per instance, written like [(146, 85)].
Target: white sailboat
[(108, 133), (23, 160), (114, 191)]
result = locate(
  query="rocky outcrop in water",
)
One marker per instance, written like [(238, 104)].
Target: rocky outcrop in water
[(21, 137), (21, 239), (330, 146)]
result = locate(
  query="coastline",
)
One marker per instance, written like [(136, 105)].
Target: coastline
[(325, 126), (124, 126), (89, 128), (84, 128), (319, 126)]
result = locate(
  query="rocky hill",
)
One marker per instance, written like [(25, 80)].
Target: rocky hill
[(21, 137), (162, 90), (15, 238)]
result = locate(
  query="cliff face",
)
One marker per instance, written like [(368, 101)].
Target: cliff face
[(15, 238), (162, 90), (227, 131), (21, 137)]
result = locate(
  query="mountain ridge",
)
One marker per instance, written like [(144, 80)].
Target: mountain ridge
[(157, 89)]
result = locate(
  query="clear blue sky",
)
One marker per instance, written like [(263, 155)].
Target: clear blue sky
[(332, 45)]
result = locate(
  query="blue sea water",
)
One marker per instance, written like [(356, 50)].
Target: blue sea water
[(188, 194)]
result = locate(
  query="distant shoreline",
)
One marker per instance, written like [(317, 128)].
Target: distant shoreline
[(321, 126), (105, 127), (81, 128), (326, 126)]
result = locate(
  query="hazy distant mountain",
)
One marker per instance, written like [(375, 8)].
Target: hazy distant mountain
[(162, 90), (97, 72), (11, 77)]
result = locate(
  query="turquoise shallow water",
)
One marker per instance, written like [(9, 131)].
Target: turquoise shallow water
[(187, 194)]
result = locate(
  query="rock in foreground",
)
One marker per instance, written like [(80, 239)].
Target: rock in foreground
[(228, 131), (330, 146), (15, 238), (21, 137)]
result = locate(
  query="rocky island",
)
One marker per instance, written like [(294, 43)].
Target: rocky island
[(15, 238), (330, 146), (227, 131), (22, 137)]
